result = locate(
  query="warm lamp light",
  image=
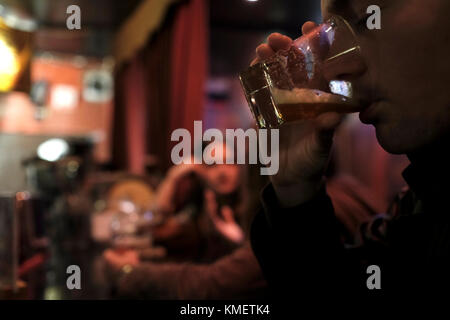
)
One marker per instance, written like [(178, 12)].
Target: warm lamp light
[(15, 47), (9, 66)]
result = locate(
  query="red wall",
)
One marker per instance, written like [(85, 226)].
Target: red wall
[(17, 111)]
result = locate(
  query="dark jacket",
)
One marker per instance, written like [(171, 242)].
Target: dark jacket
[(300, 251)]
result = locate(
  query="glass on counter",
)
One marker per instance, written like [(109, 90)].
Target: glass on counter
[(126, 225), (8, 243)]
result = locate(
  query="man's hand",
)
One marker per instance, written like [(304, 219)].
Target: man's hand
[(304, 146)]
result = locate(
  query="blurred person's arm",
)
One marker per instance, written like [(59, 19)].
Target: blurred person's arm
[(236, 276), (175, 201), (166, 193)]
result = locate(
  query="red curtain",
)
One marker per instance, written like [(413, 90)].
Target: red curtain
[(189, 64), (162, 88), (135, 95), (129, 117)]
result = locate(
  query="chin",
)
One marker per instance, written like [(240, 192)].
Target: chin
[(409, 136), (395, 141)]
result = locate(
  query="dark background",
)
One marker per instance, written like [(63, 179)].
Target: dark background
[(237, 26)]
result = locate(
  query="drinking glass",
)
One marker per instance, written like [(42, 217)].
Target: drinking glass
[(291, 86)]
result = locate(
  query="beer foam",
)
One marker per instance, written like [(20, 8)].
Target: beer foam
[(298, 95)]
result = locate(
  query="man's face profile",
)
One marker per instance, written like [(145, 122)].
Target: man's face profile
[(405, 80)]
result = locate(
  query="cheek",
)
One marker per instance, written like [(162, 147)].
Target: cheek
[(408, 58)]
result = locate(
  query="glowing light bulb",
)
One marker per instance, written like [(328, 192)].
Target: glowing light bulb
[(9, 66), (53, 149)]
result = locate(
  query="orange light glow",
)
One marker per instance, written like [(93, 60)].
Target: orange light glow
[(9, 66)]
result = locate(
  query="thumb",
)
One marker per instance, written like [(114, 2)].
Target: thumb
[(308, 27), (326, 125)]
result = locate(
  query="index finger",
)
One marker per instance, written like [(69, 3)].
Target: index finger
[(263, 52), (278, 41)]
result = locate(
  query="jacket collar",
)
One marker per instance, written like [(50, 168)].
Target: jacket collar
[(428, 175)]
